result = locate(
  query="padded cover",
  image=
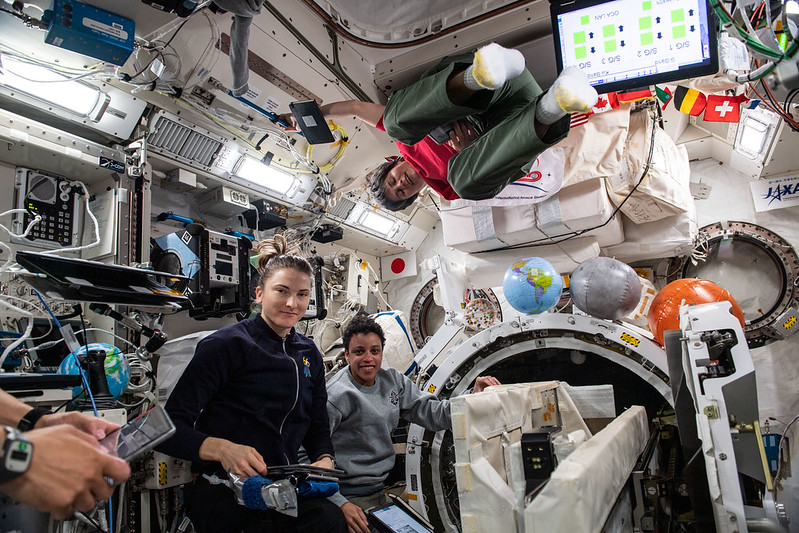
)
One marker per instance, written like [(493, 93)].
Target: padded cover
[(578, 207), (487, 270), (667, 237), (583, 489), (485, 427)]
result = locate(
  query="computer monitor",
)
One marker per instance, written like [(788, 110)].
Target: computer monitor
[(628, 44)]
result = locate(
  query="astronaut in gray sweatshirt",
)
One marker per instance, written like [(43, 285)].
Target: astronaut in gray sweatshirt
[(364, 404)]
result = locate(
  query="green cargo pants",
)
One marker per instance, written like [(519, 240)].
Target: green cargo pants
[(502, 154)]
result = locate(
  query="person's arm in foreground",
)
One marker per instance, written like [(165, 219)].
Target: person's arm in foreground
[(68, 469)]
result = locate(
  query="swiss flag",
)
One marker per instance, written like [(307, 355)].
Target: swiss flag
[(398, 266), (722, 108)]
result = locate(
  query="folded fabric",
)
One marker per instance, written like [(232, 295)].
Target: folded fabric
[(317, 489)]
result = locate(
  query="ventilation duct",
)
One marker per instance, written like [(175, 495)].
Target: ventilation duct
[(173, 137)]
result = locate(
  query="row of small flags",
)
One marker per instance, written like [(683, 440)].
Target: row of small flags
[(717, 108)]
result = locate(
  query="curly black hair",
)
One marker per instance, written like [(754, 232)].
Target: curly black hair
[(362, 323), (377, 181)]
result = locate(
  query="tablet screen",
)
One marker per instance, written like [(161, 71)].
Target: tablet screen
[(139, 435), (627, 44), (397, 520)]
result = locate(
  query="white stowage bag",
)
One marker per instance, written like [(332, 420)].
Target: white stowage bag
[(665, 191), (172, 361), (399, 348), (588, 159)]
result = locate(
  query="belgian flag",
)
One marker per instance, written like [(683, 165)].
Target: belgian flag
[(689, 101)]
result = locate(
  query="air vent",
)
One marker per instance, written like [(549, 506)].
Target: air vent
[(186, 143), (342, 209)]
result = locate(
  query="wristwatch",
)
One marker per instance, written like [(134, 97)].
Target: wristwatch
[(328, 456), (17, 454), (28, 421)]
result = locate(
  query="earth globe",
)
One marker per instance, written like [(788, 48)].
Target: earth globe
[(117, 371), (532, 285)]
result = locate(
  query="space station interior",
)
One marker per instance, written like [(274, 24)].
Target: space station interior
[(635, 292)]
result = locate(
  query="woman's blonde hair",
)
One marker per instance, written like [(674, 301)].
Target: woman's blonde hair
[(274, 254)]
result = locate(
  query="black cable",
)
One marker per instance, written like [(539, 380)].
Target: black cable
[(93, 522), (787, 106), (258, 144), (75, 312), (83, 327), (785, 116), (159, 54), (66, 403), (577, 233), (129, 79), (20, 16)]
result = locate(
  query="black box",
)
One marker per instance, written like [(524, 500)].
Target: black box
[(328, 233), (270, 215)]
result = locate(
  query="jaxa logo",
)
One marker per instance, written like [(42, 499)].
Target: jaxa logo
[(782, 192), (307, 363), (394, 398)]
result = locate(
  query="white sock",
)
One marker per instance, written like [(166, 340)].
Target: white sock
[(571, 93), (493, 65)]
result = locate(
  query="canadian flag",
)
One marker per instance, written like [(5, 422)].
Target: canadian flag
[(398, 266), (606, 102)]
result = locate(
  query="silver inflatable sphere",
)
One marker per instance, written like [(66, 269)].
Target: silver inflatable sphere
[(605, 288)]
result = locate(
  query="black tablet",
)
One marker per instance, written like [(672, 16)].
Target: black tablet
[(312, 122)]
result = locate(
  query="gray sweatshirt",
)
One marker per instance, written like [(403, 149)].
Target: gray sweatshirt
[(362, 419)]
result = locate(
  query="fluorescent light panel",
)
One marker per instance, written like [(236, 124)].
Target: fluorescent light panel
[(50, 86), (252, 170), (376, 222)]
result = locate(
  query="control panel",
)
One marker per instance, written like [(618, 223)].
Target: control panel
[(56, 200), (223, 260)]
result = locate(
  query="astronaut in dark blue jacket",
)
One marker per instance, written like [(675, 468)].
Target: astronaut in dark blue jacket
[(253, 393)]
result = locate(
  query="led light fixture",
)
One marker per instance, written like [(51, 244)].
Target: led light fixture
[(53, 88), (757, 130), (253, 171), (377, 223)]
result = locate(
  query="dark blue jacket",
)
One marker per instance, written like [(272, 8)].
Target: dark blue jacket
[(247, 385)]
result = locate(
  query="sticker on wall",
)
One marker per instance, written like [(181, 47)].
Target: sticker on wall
[(775, 193)]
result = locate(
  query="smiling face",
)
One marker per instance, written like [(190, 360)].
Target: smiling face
[(365, 354), (402, 182), (284, 299)]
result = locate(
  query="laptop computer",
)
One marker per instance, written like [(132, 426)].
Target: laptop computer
[(312, 122), (82, 280), (399, 517)]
